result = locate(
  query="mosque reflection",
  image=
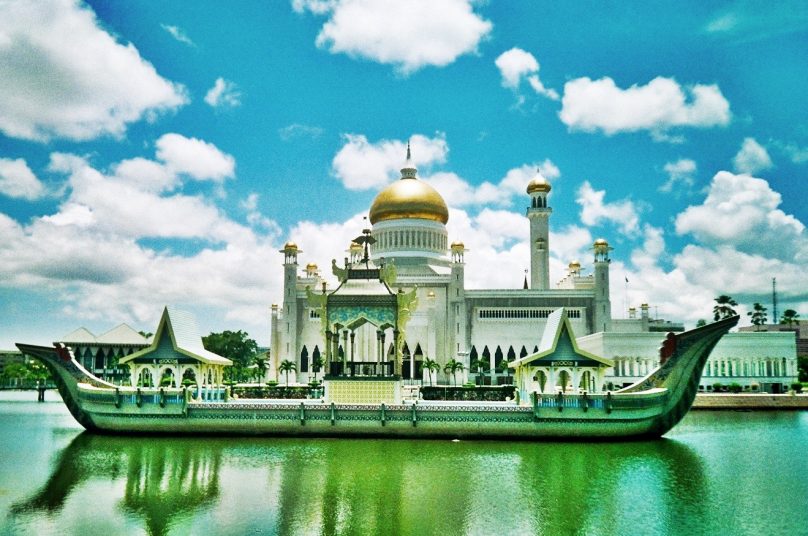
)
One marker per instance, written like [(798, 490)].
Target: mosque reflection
[(381, 486)]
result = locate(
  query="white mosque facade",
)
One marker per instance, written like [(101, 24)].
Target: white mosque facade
[(408, 220)]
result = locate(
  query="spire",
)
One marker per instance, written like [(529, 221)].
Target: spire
[(408, 171)]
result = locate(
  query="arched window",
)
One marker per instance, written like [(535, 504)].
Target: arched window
[(473, 355), (523, 353), (511, 354), (304, 360)]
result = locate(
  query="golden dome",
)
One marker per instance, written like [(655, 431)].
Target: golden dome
[(538, 184), (575, 264), (311, 267), (290, 245), (601, 242), (409, 197), (355, 246)]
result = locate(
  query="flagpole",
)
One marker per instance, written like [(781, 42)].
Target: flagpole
[(625, 298)]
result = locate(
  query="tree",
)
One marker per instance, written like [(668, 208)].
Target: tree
[(481, 366), (286, 367), (758, 315), (724, 307), (317, 365), (235, 346), (145, 334), (701, 322), (431, 366), (453, 367), (261, 364), (790, 317), (503, 367)]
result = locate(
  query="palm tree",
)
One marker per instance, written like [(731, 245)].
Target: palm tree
[(724, 307), (503, 367), (317, 365), (758, 315), (453, 367), (790, 317), (481, 366), (261, 366), (431, 366), (287, 367)]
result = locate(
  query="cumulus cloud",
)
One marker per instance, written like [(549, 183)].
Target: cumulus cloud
[(752, 158), (223, 94), (17, 180), (63, 76), (594, 210), (742, 211), (297, 130), (194, 157), (680, 175), (461, 193), (516, 65), (409, 35), (362, 165), (91, 253), (662, 104), (178, 33)]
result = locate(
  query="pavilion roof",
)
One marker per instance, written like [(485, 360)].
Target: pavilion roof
[(181, 328), (82, 335), (122, 334), (558, 328)]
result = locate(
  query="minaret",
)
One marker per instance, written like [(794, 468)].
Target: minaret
[(456, 319), (602, 317), (288, 346), (539, 215)]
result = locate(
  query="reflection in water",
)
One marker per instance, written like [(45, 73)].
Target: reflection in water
[(163, 477), (381, 486)]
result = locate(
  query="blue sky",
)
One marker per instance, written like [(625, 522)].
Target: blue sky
[(161, 153)]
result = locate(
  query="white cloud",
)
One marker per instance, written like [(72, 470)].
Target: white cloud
[(594, 210), (63, 76), (662, 104), (17, 180), (361, 165), (459, 192), (194, 157), (723, 23), (751, 158), (409, 35), (516, 65), (146, 174), (178, 34), (224, 93), (90, 254), (680, 175), (741, 211), (797, 154), (297, 130)]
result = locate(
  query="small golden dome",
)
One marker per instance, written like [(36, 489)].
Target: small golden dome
[(407, 198), (575, 264), (355, 246), (457, 245), (538, 184), (311, 267), (601, 242), (290, 245)]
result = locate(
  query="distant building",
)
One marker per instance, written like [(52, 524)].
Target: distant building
[(101, 354), (766, 362), (800, 330)]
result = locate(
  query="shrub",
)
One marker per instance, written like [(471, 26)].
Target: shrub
[(796, 387), (734, 388), (717, 387)]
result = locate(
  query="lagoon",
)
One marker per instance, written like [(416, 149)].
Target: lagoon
[(715, 473)]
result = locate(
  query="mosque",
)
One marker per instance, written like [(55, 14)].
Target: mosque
[(447, 320)]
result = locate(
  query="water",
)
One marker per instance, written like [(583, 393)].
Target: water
[(716, 473)]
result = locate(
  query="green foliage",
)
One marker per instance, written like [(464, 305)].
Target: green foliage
[(469, 392), (790, 317), (701, 322), (724, 307), (481, 367), (802, 363), (286, 367), (734, 388), (453, 367), (796, 387), (717, 387), (235, 346), (431, 366), (758, 314), (145, 334), (317, 364)]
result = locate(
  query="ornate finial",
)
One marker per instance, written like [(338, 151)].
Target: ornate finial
[(409, 157), (408, 171)]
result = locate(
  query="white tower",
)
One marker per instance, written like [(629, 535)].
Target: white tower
[(539, 215), (602, 317), (287, 349)]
